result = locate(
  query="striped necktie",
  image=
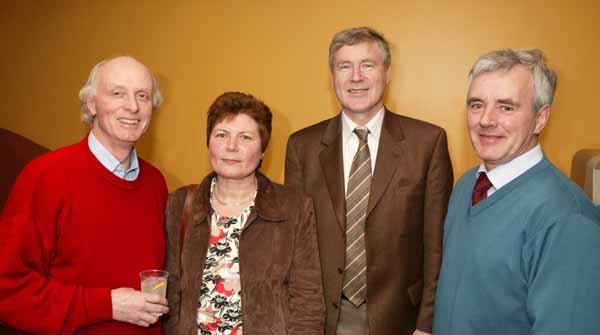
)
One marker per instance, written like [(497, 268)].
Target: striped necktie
[(357, 198)]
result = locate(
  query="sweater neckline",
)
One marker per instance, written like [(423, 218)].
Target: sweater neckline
[(506, 189), (100, 170)]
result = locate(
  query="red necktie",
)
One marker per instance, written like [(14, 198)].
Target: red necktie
[(481, 187)]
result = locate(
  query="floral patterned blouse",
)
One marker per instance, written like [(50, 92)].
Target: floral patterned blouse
[(220, 311)]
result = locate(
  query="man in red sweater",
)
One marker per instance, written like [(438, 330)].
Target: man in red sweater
[(81, 222)]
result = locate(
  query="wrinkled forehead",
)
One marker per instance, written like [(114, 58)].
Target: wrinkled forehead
[(516, 79), (368, 49), (126, 72)]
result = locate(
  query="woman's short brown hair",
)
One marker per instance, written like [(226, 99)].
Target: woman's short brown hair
[(231, 104)]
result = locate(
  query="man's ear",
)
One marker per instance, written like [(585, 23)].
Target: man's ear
[(388, 74), (91, 105), (541, 119)]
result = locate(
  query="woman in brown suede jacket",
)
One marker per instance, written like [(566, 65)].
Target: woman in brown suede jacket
[(241, 250)]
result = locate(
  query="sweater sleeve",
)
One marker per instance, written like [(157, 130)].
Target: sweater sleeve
[(30, 298), (562, 272)]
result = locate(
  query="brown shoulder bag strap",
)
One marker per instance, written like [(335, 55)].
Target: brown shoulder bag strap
[(185, 216)]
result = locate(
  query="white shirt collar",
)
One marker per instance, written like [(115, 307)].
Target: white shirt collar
[(507, 172), (110, 162), (374, 126)]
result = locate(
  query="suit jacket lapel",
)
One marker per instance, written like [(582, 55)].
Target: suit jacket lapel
[(333, 167), (390, 156)]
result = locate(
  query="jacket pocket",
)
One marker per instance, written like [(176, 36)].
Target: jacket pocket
[(407, 207)]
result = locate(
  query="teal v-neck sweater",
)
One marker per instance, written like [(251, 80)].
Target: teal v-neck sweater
[(526, 260)]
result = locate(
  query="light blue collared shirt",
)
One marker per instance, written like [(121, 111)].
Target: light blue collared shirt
[(111, 163), (507, 172)]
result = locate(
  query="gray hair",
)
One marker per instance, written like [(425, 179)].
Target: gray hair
[(352, 36), (544, 78), (89, 90)]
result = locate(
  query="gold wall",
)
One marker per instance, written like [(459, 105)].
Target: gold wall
[(277, 50)]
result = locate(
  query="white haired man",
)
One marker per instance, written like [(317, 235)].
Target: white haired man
[(82, 221), (520, 239)]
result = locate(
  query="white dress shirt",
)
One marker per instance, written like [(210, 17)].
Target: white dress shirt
[(111, 163), (350, 141), (507, 172)]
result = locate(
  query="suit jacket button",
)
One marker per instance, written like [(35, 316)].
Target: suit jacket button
[(334, 305), (340, 270)]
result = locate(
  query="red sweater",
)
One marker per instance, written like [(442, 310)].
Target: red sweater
[(71, 232)]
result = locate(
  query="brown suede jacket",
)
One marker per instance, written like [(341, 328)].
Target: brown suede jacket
[(280, 273)]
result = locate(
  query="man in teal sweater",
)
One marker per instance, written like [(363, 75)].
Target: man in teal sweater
[(521, 241)]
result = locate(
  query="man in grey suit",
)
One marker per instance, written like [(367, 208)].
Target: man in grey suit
[(380, 183)]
